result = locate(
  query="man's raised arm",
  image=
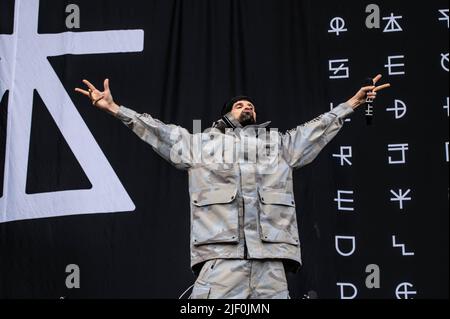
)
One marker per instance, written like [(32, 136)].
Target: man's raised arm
[(170, 141), (301, 145)]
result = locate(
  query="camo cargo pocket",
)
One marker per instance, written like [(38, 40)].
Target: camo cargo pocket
[(277, 217), (215, 216)]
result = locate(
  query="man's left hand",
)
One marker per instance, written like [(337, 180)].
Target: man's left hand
[(367, 92)]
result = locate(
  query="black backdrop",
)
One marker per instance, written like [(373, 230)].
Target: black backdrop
[(196, 55)]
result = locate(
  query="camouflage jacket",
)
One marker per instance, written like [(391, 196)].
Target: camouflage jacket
[(242, 201)]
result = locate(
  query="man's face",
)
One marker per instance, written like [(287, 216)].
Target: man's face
[(244, 112)]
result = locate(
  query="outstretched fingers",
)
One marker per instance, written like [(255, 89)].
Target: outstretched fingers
[(377, 78), (382, 87), (84, 92), (368, 88), (89, 85), (106, 84)]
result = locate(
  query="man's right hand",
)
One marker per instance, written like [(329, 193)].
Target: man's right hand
[(102, 100)]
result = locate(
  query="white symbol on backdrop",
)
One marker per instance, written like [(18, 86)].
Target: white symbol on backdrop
[(390, 66), (23, 61), (337, 25), (398, 148), (340, 200), (342, 285), (392, 25), (339, 72), (446, 107), (444, 16), (400, 197), (339, 239), (446, 152), (402, 291), (444, 61), (402, 246), (344, 155), (399, 109)]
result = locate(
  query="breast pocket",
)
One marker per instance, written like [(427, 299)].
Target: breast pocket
[(277, 217), (215, 215)]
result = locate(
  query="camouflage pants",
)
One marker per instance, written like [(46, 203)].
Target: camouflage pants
[(241, 279)]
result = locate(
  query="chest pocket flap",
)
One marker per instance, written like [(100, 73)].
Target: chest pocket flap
[(276, 198), (217, 196)]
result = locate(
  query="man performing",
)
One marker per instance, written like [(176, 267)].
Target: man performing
[(244, 233)]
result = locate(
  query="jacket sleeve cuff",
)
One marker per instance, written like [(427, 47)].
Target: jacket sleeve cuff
[(125, 114), (343, 110)]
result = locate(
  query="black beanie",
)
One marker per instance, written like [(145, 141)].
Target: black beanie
[(229, 105)]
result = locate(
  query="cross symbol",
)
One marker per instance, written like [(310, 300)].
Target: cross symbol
[(24, 68)]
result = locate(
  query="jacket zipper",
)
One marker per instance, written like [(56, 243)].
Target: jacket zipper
[(245, 249), (243, 228)]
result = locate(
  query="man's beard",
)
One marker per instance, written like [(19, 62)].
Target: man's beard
[(246, 119)]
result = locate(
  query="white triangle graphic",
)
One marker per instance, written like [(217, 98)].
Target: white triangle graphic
[(23, 68)]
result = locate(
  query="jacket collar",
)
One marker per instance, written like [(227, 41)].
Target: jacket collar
[(228, 121)]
